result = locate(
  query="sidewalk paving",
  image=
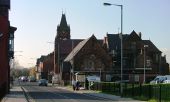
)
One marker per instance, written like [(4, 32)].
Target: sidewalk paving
[(16, 95)]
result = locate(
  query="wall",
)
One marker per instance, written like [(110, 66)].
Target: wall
[(4, 62)]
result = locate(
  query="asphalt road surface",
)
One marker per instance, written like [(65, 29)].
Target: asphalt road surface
[(54, 94)]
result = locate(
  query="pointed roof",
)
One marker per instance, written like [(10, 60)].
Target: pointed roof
[(78, 48), (63, 21), (134, 35), (114, 41)]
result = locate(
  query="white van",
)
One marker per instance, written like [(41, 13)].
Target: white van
[(158, 79), (167, 79), (161, 79)]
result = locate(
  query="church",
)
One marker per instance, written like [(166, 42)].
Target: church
[(75, 59)]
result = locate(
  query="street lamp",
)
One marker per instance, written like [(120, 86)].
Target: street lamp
[(121, 6), (144, 62)]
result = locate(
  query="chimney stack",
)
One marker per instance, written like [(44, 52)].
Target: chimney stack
[(140, 34)]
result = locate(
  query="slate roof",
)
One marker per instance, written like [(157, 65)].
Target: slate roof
[(66, 46), (151, 46), (114, 42), (76, 50)]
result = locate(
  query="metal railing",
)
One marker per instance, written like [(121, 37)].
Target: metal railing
[(159, 92)]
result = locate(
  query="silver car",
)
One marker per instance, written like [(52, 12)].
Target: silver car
[(42, 82)]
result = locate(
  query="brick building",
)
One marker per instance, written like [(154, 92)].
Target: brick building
[(6, 46), (138, 55), (45, 67), (89, 58)]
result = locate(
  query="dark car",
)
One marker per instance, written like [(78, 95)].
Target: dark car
[(32, 79), (42, 82)]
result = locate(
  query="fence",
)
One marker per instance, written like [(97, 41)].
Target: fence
[(159, 92)]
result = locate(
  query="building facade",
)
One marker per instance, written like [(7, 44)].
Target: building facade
[(6, 46), (89, 58), (142, 60), (45, 67)]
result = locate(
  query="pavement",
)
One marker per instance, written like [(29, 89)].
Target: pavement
[(17, 94)]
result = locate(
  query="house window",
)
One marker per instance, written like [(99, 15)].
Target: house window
[(136, 78), (89, 64), (148, 63), (157, 57), (133, 45), (11, 45)]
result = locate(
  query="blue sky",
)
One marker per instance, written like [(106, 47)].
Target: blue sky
[(37, 21)]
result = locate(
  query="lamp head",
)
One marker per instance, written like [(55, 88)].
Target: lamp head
[(107, 4)]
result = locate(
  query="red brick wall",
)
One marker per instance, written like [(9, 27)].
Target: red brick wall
[(4, 65)]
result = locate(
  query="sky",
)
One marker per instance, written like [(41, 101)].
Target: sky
[(37, 20)]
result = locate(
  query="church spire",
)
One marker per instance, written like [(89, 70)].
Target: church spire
[(63, 29), (63, 21)]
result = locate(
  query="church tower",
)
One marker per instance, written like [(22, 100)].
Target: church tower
[(63, 30), (63, 33)]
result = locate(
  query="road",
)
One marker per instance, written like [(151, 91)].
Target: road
[(54, 94)]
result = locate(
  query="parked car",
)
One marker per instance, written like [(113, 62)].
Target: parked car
[(32, 79), (42, 82)]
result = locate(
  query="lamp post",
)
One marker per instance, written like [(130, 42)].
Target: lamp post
[(121, 38), (144, 62), (100, 74)]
